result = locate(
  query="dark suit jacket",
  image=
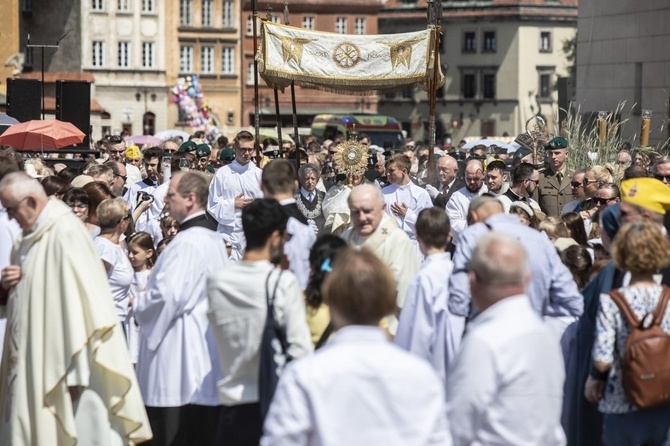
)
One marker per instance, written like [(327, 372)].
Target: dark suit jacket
[(551, 195), (442, 199), (203, 221)]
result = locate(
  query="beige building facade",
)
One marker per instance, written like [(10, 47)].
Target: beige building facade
[(623, 56), (9, 46), (501, 62)]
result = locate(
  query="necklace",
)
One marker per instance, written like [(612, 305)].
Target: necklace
[(309, 210)]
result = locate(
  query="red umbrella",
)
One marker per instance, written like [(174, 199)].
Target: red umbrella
[(47, 134)]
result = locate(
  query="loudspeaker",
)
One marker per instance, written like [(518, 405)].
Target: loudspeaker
[(24, 99), (73, 105)]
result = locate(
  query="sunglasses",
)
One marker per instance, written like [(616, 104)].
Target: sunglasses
[(575, 184), (586, 182), (602, 201), (662, 177), (123, 177)]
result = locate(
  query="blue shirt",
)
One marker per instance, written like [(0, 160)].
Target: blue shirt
[(552, 290)]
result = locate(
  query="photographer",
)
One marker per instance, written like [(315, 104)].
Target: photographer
[(146, 198)]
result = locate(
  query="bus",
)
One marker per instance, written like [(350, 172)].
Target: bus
[(381, 129)]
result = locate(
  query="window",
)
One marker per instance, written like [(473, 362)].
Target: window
[(148, 55), (123, 5), (185, 10), (489, 43), (250, 26), (148, 6), (26, 5), (359, 26), (545, 42), (488, 85), (206, 12), (124, 54), (98, 5), (469, 85), (228, 60), (308, 22), (98, 59), (250, 74), (228, 15), (185, 59), (469, 42), (341, 25), (207, 60), (545, 86)]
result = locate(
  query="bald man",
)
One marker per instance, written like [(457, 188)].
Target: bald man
[(457, 207), (375, 230), (59, 301), (447, 172)]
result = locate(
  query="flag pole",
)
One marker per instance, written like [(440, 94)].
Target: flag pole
[(268, 9), (296, 137), (434, 21), (259, 156)]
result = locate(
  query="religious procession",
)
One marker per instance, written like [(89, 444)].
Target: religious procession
[(348, 288)]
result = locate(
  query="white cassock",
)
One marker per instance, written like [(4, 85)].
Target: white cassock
[(134, 175), (149, 221), (426, 327), (298, 247), (358, 390), (416, 199), (229, 182), (457, 209), (177, 363)]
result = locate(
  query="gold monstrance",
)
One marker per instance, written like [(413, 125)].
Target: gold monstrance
[(352, 158)]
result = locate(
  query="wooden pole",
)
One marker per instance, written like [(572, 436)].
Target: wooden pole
[(268, 8), (259, 156), (296, 137), (434, 16)]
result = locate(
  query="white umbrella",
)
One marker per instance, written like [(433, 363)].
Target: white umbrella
[(486, 142), (167, 134)]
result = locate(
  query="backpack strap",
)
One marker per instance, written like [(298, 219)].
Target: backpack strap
[(625, 308), (661, 306)]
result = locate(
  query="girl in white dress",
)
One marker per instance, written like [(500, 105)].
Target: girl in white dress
[(142, 257)]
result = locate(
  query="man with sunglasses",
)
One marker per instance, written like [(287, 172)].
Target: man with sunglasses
[(578, 195), (234, 186), (524, 182), (554, 187), (606, 195)]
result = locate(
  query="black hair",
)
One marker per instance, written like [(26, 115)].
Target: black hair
[(522, 172), (325, 248), (260, 219)]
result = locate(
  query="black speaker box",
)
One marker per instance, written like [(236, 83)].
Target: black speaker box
[(73, 105), (24, 99)]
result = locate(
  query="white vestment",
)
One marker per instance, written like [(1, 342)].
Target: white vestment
[(426, 327), (133, 174), (505, 386), (229, 182), (177, 363), (394, 248), (62, 333), (9, 231), (358, 390), (416, 199), (457, 209), (149, 220)]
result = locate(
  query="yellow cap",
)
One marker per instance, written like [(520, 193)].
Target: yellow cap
[(133, 152), (648, 193)]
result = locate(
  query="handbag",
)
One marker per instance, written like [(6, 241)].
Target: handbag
[(273, 351)]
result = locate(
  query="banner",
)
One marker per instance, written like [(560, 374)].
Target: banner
[(355, 64)]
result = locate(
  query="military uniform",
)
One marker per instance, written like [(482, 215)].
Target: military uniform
[(552, 194)]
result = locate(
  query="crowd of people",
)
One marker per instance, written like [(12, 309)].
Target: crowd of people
[(210, 293)]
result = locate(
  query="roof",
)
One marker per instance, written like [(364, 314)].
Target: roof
[(50, 77)]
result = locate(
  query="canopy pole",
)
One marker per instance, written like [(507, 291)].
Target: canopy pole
[(434, 21), (268, 17), (296, 138), (257, 119)]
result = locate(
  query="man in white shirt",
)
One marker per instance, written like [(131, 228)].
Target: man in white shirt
[(177, 366), (234, 186), (148, 221), (238, 297), (404, 200), (457, 207), (506, 383)]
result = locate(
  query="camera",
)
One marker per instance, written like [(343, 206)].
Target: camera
[(143, 196)]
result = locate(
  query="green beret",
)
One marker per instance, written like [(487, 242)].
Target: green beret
[(188, 146), (521, 152), (227, 154), (557, 143), (202, 150)]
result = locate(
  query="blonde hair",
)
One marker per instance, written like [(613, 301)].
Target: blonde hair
[(554, 227), (602, 174), (111, 211), (640, 247)]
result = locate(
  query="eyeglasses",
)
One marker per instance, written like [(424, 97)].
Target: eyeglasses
[(537, 182), (602, 201), (586, 182), (662, 177), (78, 206), (117, 152), (123, 177), (13, 209), (575, 184)]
